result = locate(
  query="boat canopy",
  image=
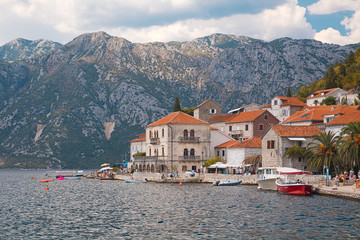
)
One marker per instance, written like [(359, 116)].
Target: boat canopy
[(296, 139), (291, 171), (222, 165)]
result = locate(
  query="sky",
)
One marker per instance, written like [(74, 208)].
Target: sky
[(330, 21)]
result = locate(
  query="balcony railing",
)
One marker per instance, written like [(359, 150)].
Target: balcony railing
[(154, 141), (189, 139), (189, 158), (237, 132)]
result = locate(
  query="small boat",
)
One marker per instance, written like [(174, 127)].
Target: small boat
[(72, 177), (290, 186), (60, 178), (227, 183), (129, 180), (46, 180)]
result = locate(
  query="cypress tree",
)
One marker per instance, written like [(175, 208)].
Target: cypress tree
[(329, 78), (177, 106), (288, 94)]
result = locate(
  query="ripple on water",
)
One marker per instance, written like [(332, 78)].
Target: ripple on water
[(88, 209)]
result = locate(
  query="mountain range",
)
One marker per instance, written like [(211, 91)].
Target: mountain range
[(77, 105)]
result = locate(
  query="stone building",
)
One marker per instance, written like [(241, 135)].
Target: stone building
[(137, 145), (279, 138), (284, 107), (207, 109), (177, 142)]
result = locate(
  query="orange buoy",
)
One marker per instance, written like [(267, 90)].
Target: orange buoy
[(100, 181), (47, 188), (180, 184)]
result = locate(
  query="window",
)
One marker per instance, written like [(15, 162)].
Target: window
[(186, 152), (266, 116), (230, 128), (192, 152), (270, 144), (185, 133), (284, 112), (150, 135), (299, 143), (275, 102), (261, 127), (218, 153), (162, 151), (299, 159), (149, 151), (192, 133), (163, 132), (213, 111), (223, 153), (246, 127), (305, 115)]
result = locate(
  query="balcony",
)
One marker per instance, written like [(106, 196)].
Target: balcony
[(189, 139), (189, 158), (237, 132), (155, 141)]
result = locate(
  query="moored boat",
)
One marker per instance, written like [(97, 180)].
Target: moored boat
[(227, 183), (129, 180), (46, 180), (72, 177), (290, 186)]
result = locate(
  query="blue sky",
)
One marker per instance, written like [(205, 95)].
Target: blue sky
[(331, 21)]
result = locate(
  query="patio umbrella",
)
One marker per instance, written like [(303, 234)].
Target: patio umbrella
[(105, 168), (105, 164)]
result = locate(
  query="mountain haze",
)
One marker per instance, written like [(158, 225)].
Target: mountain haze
[(79, 104)]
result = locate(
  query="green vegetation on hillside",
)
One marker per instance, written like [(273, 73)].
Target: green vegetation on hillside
[(345, 75)]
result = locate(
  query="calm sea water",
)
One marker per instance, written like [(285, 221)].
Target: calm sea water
[(89, 209)]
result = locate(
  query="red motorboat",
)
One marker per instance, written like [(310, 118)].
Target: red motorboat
[(293, 187), (290, 186)]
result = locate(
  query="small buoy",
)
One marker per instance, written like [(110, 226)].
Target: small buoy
[(47, 188), (180, 184), (100, 181)]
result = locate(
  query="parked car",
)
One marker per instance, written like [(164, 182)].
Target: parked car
[(190, 173)]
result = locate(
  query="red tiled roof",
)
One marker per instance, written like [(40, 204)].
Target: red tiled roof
[(213, 128), (254, 142), (267, 106), (310, 115), (290, 101), (296, 131), (227, 144), (246, 116), (322, 107), (346, 118), (177, 118), (138, 139), (344, 109), (221, 118), (326, 92)]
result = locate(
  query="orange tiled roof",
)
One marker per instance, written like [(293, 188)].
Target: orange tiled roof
[(310, 115), (207, 100), (322, 107), (227, 144), (246, 116), (326, 92), (138, 139), (213, 128), (254, 142), (267, 106), (177, 118), (221, 118), (346, 118), (296, 131), (290, 101), (344, 109)]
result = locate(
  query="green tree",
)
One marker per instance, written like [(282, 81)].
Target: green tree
[(189, 111), (177, 106), (350, 144), (330, 77), (330, 100), (295, 151), (323, 151), (288, 93), (212, 161), (350, 59), (344, 101)]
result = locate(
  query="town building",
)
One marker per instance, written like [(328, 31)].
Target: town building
[(177, 142), (137, 145), (217, 137), (284, 107), (278, 139), (317, 97), (337, 124), (219, 121), (247, 108), (207, 109), (250, 124)]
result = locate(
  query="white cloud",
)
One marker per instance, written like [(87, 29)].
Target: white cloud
[(145, 21), (352, 24)]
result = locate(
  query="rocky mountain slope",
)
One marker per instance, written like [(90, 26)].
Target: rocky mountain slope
[(78, 105)]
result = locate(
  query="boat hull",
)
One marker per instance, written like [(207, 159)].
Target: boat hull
[(296, 188), (267, 184), (227, 183), (72, 177), (46, 180), (128, 180)]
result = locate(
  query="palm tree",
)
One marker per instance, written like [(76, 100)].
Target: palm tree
[(323, 151), (350, 144)]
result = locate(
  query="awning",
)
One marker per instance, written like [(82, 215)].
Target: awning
[(296, 139), (105, 169)]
